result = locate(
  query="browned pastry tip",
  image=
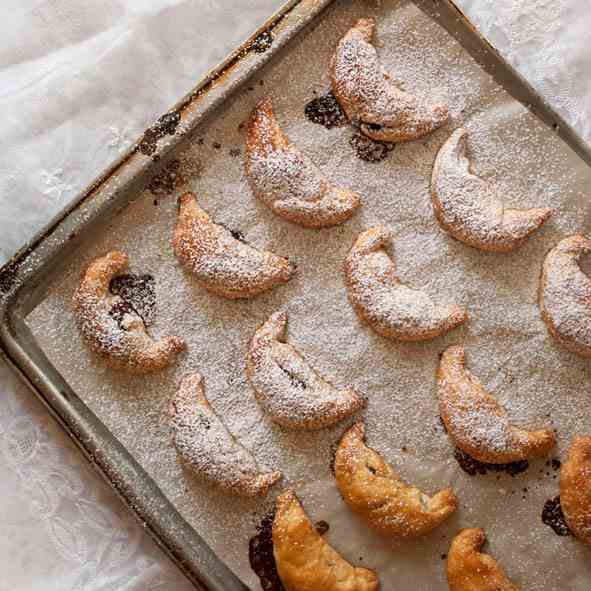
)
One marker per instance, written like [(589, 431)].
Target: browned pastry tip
[(305, 561), (468, 569), (369, 96), (286, 180), (575, 488), (476, 422), (373, 490), (220, 262), (112, 327)]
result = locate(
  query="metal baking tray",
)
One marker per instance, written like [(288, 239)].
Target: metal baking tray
[(26, 277)]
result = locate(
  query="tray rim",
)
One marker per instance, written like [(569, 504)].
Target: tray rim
[(22, 275)]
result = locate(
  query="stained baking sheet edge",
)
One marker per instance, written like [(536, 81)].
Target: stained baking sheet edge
[(23, 279)]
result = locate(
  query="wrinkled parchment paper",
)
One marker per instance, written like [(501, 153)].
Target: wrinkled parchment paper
[(506, 341)]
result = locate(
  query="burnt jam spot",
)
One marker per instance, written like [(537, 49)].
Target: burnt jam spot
[(332, 454), (260, 555), (262, 42), (556, 463), (322, 527), (295, 380), (137, 293), (374, 126), (325, 110), (472, 466), (443, 424), (372, 470), (166, 125), (370, 150), (8, 276), (553, 516), (167, 180)]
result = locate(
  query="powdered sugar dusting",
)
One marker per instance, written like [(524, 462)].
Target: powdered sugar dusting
[(290, 390), (202, 439), (510, 350)]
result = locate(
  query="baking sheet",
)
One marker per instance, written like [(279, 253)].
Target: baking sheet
[(506, 342)]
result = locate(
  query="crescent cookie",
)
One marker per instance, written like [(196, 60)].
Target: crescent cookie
[(286, 180), (575, 488), (305, 562), (370, 98), (471, 209), (470, 570), (372, 489), (565, 295), (287, 388), (390, 307), (476, 422), (204, 442), (112, 327), (221, 263)]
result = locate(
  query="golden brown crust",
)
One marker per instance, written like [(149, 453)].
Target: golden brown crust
[(470, 570), (370, 98), (115, 330), (575, 488), (372, 489), (220, 262), (390, 307), (287, 181), (565, 295), (205, 444), (289, 390), (476, 422), (305, 562), (471, 209)]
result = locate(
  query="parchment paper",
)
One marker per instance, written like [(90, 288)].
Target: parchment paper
[(506, 341)]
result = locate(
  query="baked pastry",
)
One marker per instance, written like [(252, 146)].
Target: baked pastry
[(112, 327), (204, 442), (477, 423), (221, 263), (470, 570), (287, 181), (565, 295), (471, 209), (305, 562), (372, 489), (575, 488), (390, 307), (369, 96), (287, 388)]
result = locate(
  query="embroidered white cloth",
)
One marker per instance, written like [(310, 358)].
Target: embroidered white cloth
[(78, 82)]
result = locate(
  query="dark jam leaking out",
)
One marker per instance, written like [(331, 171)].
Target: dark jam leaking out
[(262, 42), (472, 467), (325, 110), (166, 125), (260, 556), (553, 516), (368, 149), (167, 180), (138, 294), (297, 382)]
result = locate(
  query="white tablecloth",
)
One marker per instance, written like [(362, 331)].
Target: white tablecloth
[(78, 82)]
